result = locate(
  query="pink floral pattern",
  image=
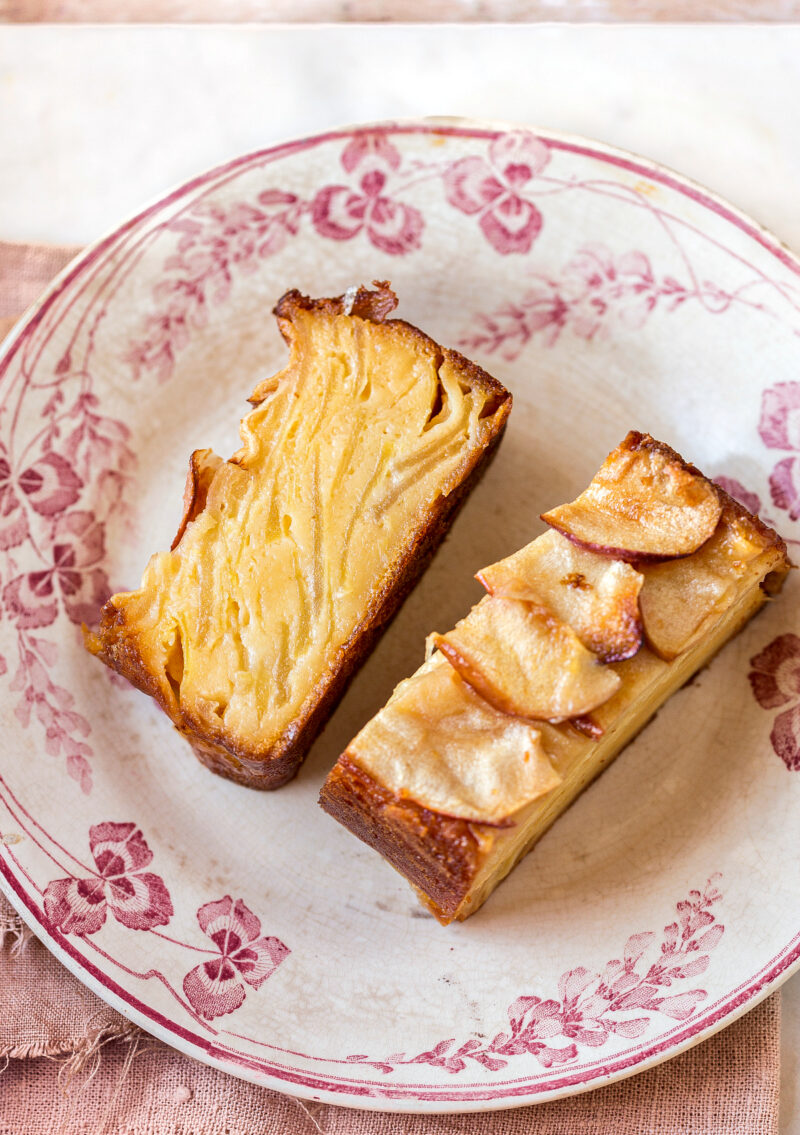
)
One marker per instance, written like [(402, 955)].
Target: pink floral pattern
[(493, 190), (340, 213), (215, 242), (775, 680), (595, 292), (55, 492), (779, 428), (244, 957), (120, 885), (591, 1007)]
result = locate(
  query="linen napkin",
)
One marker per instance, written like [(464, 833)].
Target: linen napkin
[(73, 1066)]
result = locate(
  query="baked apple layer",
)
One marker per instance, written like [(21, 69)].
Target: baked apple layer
[(648, 683), (478, 753), (296, 551)]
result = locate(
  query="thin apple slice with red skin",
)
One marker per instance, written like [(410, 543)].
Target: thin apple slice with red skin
[(595, 595), (524, 661), (453, 753), (644, 505), (680, 599), (203, 465)]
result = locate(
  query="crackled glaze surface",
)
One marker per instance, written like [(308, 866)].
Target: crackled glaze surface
[(250, 930)]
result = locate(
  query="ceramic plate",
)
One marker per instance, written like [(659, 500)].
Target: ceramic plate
[(250, 930)]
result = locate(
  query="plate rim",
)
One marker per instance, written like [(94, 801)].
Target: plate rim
[(300, 1083)]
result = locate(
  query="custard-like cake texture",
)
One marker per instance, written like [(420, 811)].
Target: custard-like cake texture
[(293, 554)]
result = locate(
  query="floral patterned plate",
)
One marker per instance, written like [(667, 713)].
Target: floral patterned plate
[(250, 930)]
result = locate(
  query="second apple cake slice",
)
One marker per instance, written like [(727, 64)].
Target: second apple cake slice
[(582, 636), (293, 554)]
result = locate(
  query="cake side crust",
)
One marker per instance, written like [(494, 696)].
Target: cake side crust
[(439, 854)]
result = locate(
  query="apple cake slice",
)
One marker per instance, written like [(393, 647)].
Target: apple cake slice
[(582, 636), (292, 555)]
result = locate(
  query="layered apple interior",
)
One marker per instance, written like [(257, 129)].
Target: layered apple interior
[(581, 636), (295, 552)]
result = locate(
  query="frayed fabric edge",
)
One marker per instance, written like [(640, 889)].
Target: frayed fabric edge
[(12, 926)]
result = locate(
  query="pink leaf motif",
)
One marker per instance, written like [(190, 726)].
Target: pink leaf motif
[(784, 486), (775, 680), (681, 1006), (594, 289), (775, 676), (574, 982), (119, 848), (217, 987), (779, 426), (370, 149), (29, 600), (711, 938), (79, 769), (785, 738), (139, 902), (629, 1029), (636, 946), (13, 522)]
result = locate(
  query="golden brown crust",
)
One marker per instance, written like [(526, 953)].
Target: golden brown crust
[(267, 769), (439, 854)]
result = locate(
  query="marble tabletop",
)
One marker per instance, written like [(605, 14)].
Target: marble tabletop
[(95, 121)]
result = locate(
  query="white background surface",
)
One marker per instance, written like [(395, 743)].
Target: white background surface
[(96, 121)]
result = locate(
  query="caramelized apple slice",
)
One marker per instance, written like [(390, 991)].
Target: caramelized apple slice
[(681, 599), (594, 595), (525, 661), (452, 752), (203, 464), (644, 504)]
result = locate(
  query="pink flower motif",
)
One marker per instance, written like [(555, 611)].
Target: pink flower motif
[(215, 241), (217, 986), (775, 679), (340, 213), (76, 546), (136, 898), (493, 190), (784, 486), (739, 492), (49, 485), (779, 426)]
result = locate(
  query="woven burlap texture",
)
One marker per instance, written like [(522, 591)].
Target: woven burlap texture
[(73, 1066)]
